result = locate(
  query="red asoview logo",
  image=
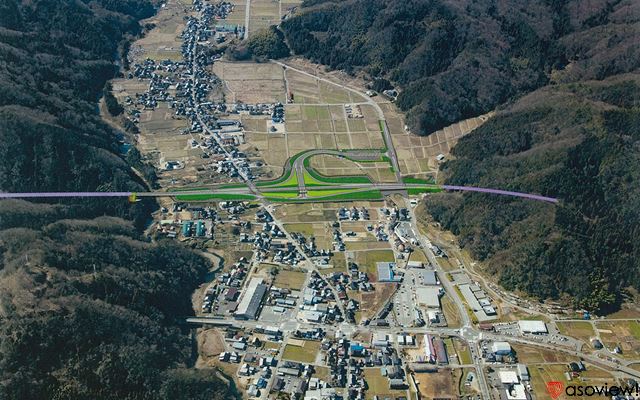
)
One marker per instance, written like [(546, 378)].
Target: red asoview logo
[(555, 389)]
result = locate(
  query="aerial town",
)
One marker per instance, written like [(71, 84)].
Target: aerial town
[(325, 289)]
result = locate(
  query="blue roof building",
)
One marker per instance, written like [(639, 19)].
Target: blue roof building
[(186, 228), (200, 229)]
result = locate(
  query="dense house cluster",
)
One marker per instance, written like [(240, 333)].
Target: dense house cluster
[(271, 242), (310, 249), (315, 297), (185, 86)]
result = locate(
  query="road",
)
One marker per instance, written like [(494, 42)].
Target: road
[(467, 331), (247, 19)]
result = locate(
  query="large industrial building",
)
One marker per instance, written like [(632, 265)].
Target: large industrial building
[(441, 351), (534, 327), (251, 299), (501, 348), (428, 296), (427, 277)]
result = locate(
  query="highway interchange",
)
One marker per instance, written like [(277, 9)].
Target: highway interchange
[(468, 332)]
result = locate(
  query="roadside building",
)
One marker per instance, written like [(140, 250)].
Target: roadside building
[(429, 352), (232, 294), (251, 300), (533, 327), (396, 384), (441, 351), (428, 296), (516, 392), (508, 377), (501, 348), (523, 372), (386, 273), (428, 277)]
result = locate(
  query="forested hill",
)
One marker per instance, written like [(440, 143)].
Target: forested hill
[(454, 59), (55, 57), (88, 308), (579, 142)]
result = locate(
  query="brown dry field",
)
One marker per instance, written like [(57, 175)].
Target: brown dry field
[(417, 154), (251, 82), (532, 355), (322, 212), (309, 90), (334, 166), (210, 343), (237, 16), (437, 385), (263, 14), (163, 42)]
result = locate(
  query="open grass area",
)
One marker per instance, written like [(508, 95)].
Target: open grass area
[(304, 354), (212, 197), (305, 229), (290, 280), (361, 195), (323, 373), (462, 349), (540, 374), (289, 194), (310, 180), (532, 355), (338, 263), (417, 191), (328, 192), (379, 385), (291, 181), (413, 180), (267, 345), (581, 330)]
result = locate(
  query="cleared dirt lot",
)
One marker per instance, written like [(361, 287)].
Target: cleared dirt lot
[(441, 384)]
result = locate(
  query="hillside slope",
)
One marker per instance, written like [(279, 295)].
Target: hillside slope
[(579, 142)]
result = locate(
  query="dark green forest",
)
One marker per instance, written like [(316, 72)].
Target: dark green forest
[(88, 308), (453, 60), (262, 45)]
